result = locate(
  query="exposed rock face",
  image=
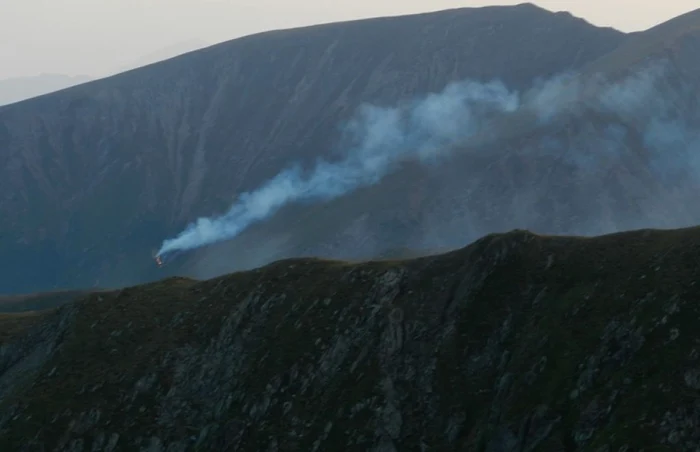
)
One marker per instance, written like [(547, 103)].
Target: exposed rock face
[(517, 343), (94, 177)]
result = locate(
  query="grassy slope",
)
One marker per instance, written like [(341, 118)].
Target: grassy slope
[(568, 343), (38, 302)]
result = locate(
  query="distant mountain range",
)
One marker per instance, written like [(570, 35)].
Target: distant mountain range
[(16, 89), (95, 177)]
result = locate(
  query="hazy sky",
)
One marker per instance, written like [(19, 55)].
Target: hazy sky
[(98, 36)]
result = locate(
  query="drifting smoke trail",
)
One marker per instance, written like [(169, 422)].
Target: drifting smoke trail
[(383, 138)]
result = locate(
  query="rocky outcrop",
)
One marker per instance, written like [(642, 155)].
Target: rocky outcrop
[(516, 343)]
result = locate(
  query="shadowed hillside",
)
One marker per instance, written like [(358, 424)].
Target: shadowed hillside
[(38, 302), (517, 342)]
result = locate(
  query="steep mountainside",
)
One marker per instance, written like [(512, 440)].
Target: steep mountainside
[(518, 342), (94, 177)]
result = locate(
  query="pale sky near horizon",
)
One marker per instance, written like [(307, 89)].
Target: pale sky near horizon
[(95, 37)]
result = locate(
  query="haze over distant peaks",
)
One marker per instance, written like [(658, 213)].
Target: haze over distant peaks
[(16, 89)]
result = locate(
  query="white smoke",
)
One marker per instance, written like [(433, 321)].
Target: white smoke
[(423, 130)]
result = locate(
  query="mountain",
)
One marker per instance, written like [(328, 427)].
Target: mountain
[(20, 88), (671, 38), (609, 147), (96, 176), (516, 342)]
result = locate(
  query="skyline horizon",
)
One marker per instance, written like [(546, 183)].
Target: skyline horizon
[(74, 64)]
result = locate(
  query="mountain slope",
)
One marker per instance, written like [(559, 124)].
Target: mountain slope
[(165, 53), (94, 177), (517, 342), (20, 88), (38, 301), (611, 148), (665, 39)]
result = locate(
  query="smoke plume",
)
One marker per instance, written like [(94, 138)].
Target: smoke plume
[(426, 130)]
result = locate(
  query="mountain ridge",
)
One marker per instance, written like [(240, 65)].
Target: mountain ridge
[(347, 24), (518, 340), (644, 44), (17, 89)]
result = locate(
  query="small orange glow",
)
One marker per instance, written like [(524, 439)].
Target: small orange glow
[(159, 261)]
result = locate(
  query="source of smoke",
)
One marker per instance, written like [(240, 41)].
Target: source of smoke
[(421, 130)]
